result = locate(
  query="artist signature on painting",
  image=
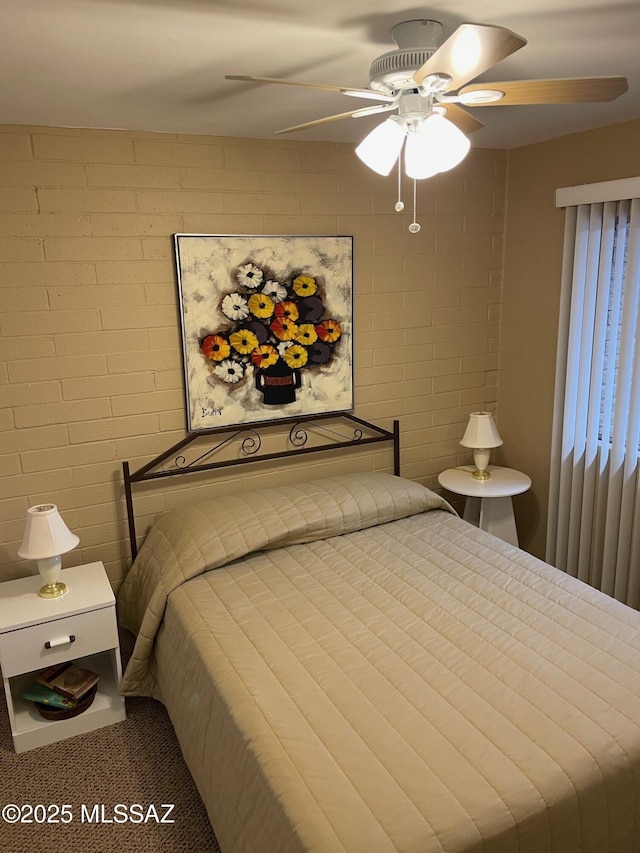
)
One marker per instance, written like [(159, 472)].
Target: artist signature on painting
[(211, 412)]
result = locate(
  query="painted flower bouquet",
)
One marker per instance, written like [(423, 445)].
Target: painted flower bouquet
[(274, 330)]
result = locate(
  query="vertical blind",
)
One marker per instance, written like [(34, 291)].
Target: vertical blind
[(594, 500)]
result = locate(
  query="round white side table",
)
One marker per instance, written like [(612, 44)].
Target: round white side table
[(488, 505)]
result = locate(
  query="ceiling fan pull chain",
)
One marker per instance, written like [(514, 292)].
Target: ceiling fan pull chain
[(399, 203), (415, 226)]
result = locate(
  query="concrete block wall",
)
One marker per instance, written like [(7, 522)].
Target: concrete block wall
[(90, 352)]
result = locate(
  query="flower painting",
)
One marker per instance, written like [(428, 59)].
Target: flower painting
[(266, 327)]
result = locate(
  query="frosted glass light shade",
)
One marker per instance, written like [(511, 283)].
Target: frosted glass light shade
[(418, 160), (436, 145), (481, 434), (380, 149), (46, 537)]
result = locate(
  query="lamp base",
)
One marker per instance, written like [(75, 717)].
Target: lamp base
[(52, 590), (50, 568), (481, 475)]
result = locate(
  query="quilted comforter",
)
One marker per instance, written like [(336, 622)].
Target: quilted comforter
[(351, 667)]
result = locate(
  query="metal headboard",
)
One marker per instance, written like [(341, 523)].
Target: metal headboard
[(248, 442)]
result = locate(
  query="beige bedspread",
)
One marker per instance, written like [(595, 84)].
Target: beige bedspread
[(414, 686)]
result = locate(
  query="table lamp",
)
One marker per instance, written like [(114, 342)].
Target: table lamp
[(481, 435), (46, 538)]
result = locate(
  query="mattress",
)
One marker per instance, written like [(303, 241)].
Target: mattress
[(349, 666)]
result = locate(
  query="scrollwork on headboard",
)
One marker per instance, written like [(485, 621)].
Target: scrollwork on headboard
[(308, 435), (250, 443)]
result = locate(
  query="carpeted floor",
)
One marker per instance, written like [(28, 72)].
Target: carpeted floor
[(137, 761)]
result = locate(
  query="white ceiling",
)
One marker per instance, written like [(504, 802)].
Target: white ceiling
[(159, 65)]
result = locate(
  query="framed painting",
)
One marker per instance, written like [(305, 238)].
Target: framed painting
[(266, 327)]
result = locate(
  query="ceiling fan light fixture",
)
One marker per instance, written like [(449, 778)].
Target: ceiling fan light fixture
[(430, 84), (435, 145), (418, 162), (380, 149)]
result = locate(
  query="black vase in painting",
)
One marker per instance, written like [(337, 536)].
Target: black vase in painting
[(278, 383)]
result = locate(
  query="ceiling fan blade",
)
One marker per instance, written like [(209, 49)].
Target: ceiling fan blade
[(570, 90), (463, 120), (345, 90), (471, 50), (365, 111)]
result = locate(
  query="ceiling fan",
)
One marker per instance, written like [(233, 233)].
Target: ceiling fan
[(438, 75), (430, 86)]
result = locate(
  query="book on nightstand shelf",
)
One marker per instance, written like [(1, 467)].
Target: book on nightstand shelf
[(44, 696), (68, 680)]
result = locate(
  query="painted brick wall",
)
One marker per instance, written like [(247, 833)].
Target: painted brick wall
[(90, 355)]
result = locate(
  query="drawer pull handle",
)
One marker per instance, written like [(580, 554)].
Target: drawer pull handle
[(61, 641)]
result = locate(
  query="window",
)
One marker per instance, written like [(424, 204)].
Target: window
[(618, 282), (594, 501)]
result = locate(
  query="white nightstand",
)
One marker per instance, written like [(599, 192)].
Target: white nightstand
[(488, 505), (37, 632)]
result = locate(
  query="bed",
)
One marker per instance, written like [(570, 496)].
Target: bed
[(350, 666)]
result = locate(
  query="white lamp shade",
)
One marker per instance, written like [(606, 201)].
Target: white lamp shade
[(436, 145), (481, 431), (380, 149), (45, 534), (418, 162)]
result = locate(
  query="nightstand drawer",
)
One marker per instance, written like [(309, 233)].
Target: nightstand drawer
[(25, 650)]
